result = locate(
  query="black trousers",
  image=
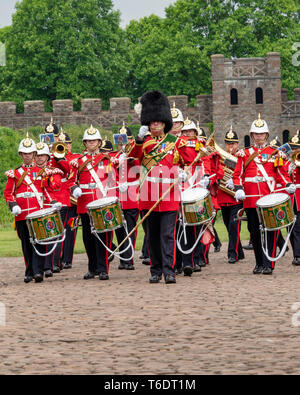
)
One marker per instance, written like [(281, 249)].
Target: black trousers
[(295, 236), (160, 228), (229, 214), (253, 227), (131, 216), (192, 232), (69, 243), (55, 258), (33, 262), (96, 252)]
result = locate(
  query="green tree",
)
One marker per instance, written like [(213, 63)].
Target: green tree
[(64, 49)]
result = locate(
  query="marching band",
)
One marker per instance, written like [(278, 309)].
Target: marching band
[(173, 178)]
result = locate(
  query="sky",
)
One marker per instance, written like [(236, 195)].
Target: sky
[(130, 9)]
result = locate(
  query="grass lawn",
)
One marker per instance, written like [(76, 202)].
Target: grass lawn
[(10, 245)]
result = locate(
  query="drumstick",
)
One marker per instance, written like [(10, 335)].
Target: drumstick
[(192, 186), (156, 204)]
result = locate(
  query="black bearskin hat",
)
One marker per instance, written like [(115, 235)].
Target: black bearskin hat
[(156, 107)]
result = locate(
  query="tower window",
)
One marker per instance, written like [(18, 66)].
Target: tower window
[(259, 96), (234, 97)]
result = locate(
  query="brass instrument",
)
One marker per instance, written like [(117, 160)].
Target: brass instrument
[(59, 150), (228, 162), (295, 157)]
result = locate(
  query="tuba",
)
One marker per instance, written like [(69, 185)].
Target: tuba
[(228, 162)]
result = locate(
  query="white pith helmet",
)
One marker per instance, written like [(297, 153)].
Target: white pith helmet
[(27, 145)]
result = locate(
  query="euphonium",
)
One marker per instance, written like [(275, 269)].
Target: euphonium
[(59, 150), (228, 162)]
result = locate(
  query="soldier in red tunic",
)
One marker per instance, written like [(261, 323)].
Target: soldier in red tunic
[(128, 181), (230, 207), (24, 195), (158, 173), (258, 170), (295, 177), (189, 147), (92, 174)]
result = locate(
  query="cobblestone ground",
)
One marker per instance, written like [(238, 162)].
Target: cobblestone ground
[(223, 320)]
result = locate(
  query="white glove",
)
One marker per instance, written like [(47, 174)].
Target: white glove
[(229, 184), (16, 210), (57, 205), (123, 187), (77, 192), (143, 131), (204, 182), (240, 195), (182, 175), (291, 189)]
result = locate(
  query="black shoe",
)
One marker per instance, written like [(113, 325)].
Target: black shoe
[(178, 270), (249, 246), (146, 261), (103, 276), (56, 269), (154, 279), (202, 264), (296, 261), (218, 248), (257, 269), (231, 259), (28, 279), (170, 279), (197, 268), (48, 273), (188, 271), (267, 270), (129, 266), (89, 275), (38, 278), (142, 257), (67, 265), (122, 266)]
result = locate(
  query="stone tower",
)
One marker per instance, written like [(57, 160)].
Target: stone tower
[(241, 89)]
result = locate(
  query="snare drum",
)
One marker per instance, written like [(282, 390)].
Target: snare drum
[(197, 206), (275, 211), (105, 214), (45, 225)]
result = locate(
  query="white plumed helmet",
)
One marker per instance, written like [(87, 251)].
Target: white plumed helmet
[(189, 125), (27, 145), (259, 126), (176, 114), (42, 149), (91, 134)]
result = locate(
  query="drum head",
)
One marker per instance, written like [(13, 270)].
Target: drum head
[(41, 213), (272, 199), (102, 202), (193, 195)]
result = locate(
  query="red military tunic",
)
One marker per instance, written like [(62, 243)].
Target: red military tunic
[(105, 170), (295, 177), (25, 189), (188, 149), (162, 173), (128, 174), (51, 181), (261, 175)]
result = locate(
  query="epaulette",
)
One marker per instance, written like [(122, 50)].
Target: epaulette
[(241, 153), (10, 174), (53, 170)]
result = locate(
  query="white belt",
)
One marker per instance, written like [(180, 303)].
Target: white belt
[(132, 183), (259, 179), (91, 185), (27, 195), (161, 180)]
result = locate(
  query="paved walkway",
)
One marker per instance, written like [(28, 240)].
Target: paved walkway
[(223, 320)]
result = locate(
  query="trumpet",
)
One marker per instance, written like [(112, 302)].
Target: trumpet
[(59, 150)]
